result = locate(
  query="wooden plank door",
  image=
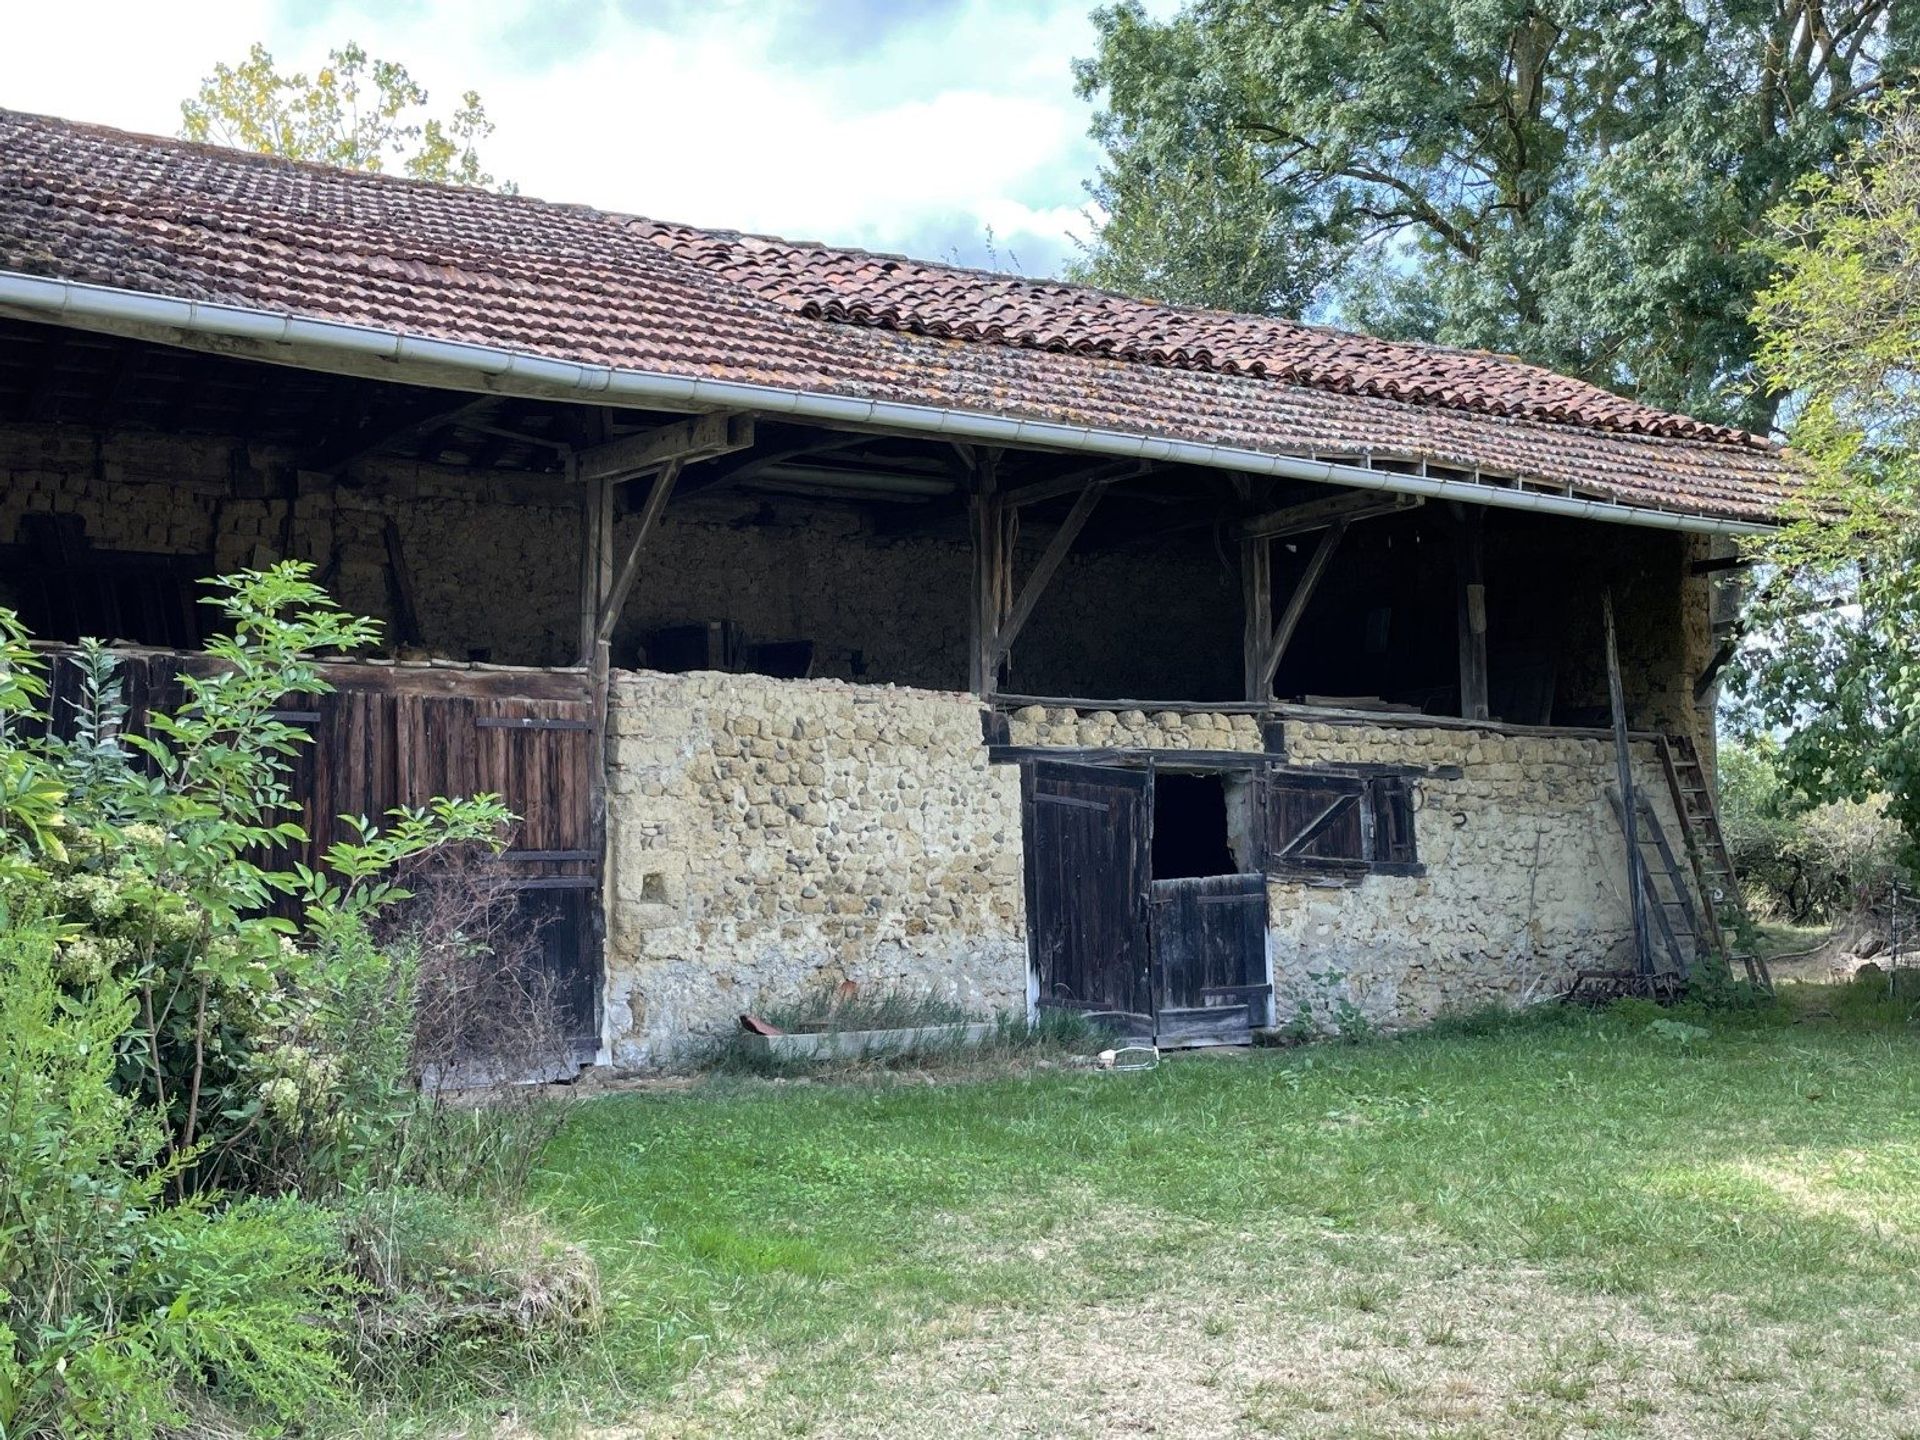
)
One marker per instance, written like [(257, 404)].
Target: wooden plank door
[(1210, 959), (1088, 838)]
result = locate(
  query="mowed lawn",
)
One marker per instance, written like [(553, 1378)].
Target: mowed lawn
[(1582, 1225)]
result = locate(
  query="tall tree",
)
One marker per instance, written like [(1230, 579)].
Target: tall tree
[(1838, 671), (362, 113), (1575, 181)]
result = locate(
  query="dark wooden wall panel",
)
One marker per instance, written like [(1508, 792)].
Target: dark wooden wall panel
[(387, 736)]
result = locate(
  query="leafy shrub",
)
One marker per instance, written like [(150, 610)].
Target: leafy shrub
[(1802, 862), (111, 1298), (167, 1043)]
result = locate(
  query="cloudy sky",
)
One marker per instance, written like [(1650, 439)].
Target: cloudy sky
[(923, 126)]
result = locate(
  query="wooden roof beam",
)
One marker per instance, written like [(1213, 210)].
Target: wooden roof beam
[(338, 454), (1319, 514), (631, 456)]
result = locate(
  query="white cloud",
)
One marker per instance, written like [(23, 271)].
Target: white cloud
[(918, 128)]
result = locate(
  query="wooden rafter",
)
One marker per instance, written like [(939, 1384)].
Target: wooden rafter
[(1075, 482), (1318, 514), (342, 452)]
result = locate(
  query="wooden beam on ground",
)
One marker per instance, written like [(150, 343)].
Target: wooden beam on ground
[(1256, 590), (1630, 820), (1044, 568), (1318, 514), (629, 568), (631, 456), (1276, 646), (1470, 609)]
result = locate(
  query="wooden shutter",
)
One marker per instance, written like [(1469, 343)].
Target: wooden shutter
[(1315, 818), (1393, 842)]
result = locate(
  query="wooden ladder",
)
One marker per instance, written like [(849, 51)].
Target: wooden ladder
[(1706, 846), (1676, 922)]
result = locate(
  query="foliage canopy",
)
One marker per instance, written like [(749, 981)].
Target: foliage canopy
[(1839, 672), (355, 111), (1573, 181)]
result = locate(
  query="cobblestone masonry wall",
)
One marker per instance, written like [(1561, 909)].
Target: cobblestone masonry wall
[(1525, 877), (767, 837)]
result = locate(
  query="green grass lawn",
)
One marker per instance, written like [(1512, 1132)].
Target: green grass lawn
[(1575, 1225)]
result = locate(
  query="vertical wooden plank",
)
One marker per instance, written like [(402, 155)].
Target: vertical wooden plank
[(987, 514), (1256, 585), (1470, 607)]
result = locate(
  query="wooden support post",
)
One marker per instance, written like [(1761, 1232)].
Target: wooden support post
[(1256, 586), (1629, 820), (987, 514), (1471, 609), (1276, 646), (1043, 569), (616, 598)]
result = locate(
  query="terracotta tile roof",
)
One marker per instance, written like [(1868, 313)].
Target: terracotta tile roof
[(196, 222)]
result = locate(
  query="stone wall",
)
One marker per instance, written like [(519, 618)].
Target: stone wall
[(769, 837), (1525, 862), (1063, 727), (1525, 883)]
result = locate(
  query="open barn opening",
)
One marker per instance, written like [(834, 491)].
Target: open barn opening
[(1190, 827)]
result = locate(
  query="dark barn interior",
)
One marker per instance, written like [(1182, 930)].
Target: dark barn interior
[(135, 469)]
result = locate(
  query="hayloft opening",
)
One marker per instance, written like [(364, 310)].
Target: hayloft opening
[(1190, 827)]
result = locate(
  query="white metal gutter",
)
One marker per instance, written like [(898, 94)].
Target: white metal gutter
[(106, 308)]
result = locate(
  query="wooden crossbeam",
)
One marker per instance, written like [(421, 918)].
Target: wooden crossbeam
[(1282, 636), (343, 451), (1075, 482), (630, 456), (1045, 566), (1318, 514), (747, 464), (616, 598)]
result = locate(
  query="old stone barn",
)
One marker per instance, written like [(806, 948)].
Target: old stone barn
[(834, 616)]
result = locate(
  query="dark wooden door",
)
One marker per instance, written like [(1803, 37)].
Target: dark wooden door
[(1209, 959), (1088, 838)]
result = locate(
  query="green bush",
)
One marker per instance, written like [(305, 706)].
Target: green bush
[(1802, 862), (199, 1102), (112, 1300)]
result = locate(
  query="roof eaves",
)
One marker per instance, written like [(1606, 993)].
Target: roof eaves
[(111, 309)]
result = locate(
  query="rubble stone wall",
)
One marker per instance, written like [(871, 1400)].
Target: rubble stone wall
[(771, 837), (1525, 883), (1526, 871)]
